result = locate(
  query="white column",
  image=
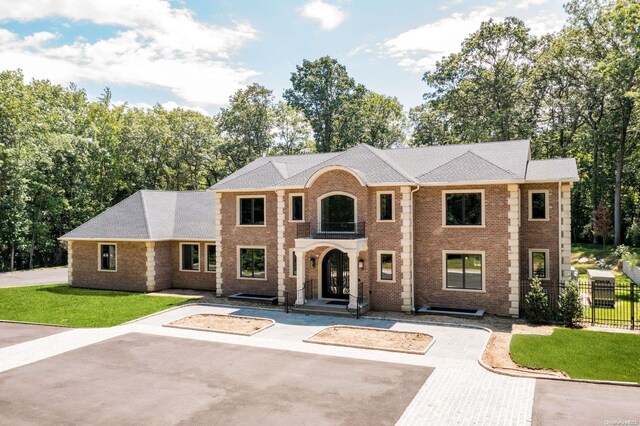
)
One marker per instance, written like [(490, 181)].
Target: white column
[(353, 278), (514, 249), (151, 266), (218, 226), (281, 251), (565, 232), (406, 216), (300, 278), (70, 261)]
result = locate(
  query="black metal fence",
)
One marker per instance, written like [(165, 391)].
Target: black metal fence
[(332, 230), (604, 303)]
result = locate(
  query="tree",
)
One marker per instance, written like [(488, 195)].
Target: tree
[(602, 222), (293, 132), (247, 124), (321, 89)]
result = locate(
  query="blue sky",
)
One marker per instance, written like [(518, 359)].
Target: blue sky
[(196, 53)]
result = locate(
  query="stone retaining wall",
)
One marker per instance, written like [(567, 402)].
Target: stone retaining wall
[(632, 272)]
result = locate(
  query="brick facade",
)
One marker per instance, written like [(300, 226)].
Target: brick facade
[(504, 243)]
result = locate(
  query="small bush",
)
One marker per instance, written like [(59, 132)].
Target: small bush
[(621, 252), (569, 304), (633, 233), (537, 307)]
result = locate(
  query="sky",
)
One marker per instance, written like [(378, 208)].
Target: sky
[(196, 53)]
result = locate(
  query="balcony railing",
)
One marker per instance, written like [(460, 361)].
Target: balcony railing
[(332, 230)]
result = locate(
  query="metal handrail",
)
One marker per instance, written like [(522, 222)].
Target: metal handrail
[(359, 300), (332, 230)]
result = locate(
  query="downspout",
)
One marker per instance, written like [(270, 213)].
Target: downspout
[(413, 287), (559, 231)]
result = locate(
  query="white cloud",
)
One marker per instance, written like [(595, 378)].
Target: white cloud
[(419, 49), (328, 15), (159, 46)]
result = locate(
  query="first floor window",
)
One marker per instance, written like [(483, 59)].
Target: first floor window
[(385, 206), (294, 264), (252, 211), (211, 258), (385, 266), (463, 209), (107, 257), (538, 264), (464, 271), (297, 207), (252, 263), (190, 257)]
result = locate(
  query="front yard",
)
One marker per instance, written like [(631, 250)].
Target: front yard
[(582, 354), (64, 305)]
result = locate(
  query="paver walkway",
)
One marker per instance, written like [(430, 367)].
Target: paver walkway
[(459, 391)]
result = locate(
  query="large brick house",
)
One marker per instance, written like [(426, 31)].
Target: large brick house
[(456, 226)]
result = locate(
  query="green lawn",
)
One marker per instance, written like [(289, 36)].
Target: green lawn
[(579, 250), (581, 354), (63, 305)]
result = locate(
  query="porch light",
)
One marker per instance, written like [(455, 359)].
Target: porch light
[(313, 262), (360, 263)]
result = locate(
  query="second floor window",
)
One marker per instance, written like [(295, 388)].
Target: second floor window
[(463, 209), (297, 207), (252, 211), (385, 206), (538, 205), (337, 213)]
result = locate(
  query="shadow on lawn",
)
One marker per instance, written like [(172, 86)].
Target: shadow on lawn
[(66, 290)]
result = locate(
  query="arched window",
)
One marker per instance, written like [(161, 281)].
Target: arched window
[(337, 213)]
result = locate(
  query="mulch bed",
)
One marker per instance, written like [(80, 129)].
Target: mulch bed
[(231, 324), (373, 338)]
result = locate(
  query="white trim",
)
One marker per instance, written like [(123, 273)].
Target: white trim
[(292, 252), (191, 243), (135, 240), (329, 194), (546, 205), (296, 194), (546, 263), (393, 206), (379, 266), (115, 257), (327, 169), (240, 197), (238, 267), (463, 191), (206, 257), (444, 270)]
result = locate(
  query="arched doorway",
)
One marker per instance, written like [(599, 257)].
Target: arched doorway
[(335, 275)]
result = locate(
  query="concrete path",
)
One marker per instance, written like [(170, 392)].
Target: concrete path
[(34, 277), (14, 333), (458, 391)]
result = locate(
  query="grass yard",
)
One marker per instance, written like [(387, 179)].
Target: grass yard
[(581, 354), (61, 304)]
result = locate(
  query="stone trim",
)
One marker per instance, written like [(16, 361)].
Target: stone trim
[(281, 254), (406, 216), (218, 223), (565, 231), (70, 261), (514, 249), (151, 266)]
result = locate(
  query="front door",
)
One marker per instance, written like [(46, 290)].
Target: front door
[(335, 275)]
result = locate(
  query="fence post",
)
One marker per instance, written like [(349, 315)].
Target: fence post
[(286, 302), (593, 302), (633, 304)]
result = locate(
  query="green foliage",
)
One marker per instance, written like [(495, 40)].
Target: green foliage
[(537, 308), (622, 252), (76, 307), (633, 233), (570, 307), (581, 354)]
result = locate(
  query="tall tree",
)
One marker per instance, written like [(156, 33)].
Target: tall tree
[(292, 130), (321, 89)]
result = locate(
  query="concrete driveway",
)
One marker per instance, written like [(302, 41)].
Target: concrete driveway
[(144, 379), (34, 277), (563, 403)]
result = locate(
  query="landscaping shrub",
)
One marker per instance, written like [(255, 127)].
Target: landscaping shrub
[(537, 307), (633, 233), (570, 305)]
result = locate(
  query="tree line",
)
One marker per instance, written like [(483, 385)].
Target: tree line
[(64, 158)]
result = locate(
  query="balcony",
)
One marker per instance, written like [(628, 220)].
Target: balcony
[(332, 230)]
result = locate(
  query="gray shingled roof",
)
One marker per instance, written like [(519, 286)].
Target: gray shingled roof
[(483, 162), (153, 215), (555, 169)]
